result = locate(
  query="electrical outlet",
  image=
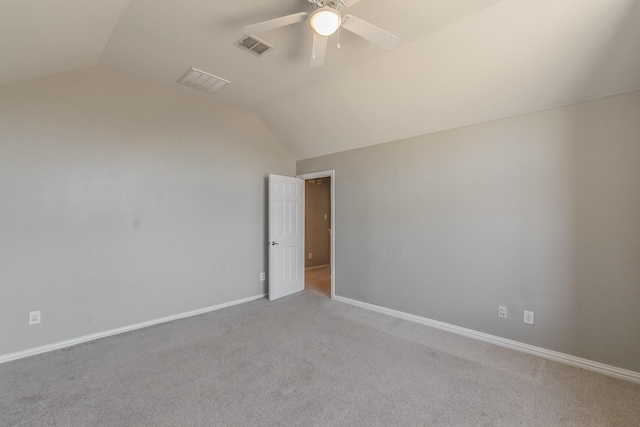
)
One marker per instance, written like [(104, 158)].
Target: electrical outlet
[(34, 318), (310, 255), (262, 276), (528, 317), (502, 310)]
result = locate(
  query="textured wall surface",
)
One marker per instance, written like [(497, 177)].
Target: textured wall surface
[(122, 201), (538, 212)]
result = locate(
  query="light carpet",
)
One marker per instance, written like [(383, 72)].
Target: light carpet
[(304, 360)]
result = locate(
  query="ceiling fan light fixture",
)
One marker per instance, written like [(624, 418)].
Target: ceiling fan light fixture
[(325, 21)]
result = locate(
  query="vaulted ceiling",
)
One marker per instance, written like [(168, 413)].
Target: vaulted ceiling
[(459, 62)]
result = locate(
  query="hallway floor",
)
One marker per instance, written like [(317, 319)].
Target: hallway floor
[(318, 280)]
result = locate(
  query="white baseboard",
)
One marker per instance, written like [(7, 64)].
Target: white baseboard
[(502, 342), (68, 343)]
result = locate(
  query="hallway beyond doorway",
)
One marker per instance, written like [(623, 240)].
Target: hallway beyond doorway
[(318, 280)]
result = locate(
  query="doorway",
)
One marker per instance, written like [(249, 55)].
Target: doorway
[(319, 232)]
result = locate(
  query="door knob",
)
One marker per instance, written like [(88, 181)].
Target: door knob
[(274, 243)]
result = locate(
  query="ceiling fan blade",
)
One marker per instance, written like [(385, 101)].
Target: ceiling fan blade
[(370, 32), (272, 24), (349, 3), (318, 50)]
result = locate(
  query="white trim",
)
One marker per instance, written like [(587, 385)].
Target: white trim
[(74, 341), (502, 342), (328, 174)]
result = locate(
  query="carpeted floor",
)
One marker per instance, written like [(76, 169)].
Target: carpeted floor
[(304, 360)]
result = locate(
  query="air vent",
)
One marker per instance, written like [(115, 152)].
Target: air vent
[(253, 45), (200, 80)]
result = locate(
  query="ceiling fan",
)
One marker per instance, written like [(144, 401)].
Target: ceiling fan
[(325, 20)]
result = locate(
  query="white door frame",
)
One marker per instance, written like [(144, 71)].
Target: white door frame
[(327, 174)]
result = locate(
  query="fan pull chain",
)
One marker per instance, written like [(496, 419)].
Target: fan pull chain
[(338, 46)]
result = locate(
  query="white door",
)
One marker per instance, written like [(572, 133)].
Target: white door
[(286, 235)]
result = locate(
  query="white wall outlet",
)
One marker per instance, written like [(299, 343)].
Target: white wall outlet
[(34, 318), (262, 277), (310, 255), (528, 317), (325, 216), (502, 310)]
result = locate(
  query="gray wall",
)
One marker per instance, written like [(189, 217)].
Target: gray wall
[(317, 202), (123, 201), (538, 212)]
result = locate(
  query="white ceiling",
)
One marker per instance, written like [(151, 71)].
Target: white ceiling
[(459, 62)]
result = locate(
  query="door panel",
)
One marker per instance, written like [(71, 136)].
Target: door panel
[(286, 236)]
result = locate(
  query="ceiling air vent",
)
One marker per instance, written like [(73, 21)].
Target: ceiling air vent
[(253, 45), (200, 80)]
